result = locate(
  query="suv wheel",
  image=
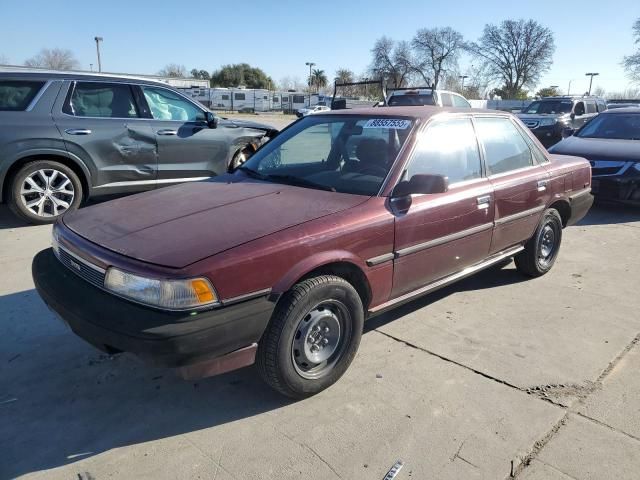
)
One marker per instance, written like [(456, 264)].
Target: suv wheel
[(41, 191), (541, 251), (312, 338)]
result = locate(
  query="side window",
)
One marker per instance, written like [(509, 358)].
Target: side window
[(239, 96), (16, 95), (579, 108), (445, 98), (460, 102), (98, 99), (167, 105), (602, 106), (448, 148), (505, 148), (591, 106)]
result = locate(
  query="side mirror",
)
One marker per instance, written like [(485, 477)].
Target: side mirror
[(567, 132), (211, 119), (573, 115), (421, 183)]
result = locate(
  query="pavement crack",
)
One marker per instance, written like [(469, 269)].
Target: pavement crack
[(458, 456), (307, 447), (615, 361), (553, 467), (208, 455), (446, 359), (607, 426)]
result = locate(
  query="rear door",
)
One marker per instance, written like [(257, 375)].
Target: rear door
[(101, 123), (520, 184), (443, 233), (187, 148)]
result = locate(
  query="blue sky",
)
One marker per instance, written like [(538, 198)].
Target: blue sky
[(280, 36)]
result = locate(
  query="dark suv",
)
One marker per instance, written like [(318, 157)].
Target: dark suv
[(66, 137), (549, 116)]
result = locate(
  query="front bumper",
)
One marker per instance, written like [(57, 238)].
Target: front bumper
[(618, 188), (548, 135), (170, 339)]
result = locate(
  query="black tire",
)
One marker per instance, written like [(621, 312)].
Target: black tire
[(240, 157), (278, 358), (71, 194), (541, 250)]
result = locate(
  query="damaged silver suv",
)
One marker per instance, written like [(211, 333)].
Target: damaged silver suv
[(67, 137)]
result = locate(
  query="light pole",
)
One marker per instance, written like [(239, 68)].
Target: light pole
[(591, 74), (310, 64), (98, 40), (462, 77), (91, 66), (569, 89)]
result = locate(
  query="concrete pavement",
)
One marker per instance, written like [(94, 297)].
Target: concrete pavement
[(493, 376)]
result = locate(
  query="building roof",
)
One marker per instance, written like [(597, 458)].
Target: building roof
[(425, 111)]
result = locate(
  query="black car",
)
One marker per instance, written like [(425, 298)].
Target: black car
[(66, 137), (548, 117), (611, 142)]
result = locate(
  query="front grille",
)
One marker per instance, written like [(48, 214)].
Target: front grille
[(531, 124), (92, 274), (605, 167)]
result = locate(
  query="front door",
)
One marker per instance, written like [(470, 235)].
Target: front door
[(101, 123), (520, 183), (187, 148), (441, 234)]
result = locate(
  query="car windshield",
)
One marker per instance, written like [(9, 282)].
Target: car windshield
[(410, 100), (620, 126), (342, 153), (549, 106)]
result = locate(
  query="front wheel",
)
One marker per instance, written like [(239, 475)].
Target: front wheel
[(312, 338), (541, 251), (43, 190)]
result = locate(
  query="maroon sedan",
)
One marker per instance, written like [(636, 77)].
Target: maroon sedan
[(341, 216)]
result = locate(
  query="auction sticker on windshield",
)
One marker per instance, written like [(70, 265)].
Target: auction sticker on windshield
[(394, 123)]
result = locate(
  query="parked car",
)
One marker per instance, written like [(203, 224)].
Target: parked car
[(611, 142), (403, 97), (68, 137), (549, 116), (342, 216), (303, 112)]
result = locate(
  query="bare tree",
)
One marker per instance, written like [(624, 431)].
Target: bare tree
[(628, 94), (632, 62), (173, 70), (516, 51), (437, 51), (392, 61), (599, 91), (54, 59)]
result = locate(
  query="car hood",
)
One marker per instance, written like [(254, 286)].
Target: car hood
[(599, 148), (177, 226), (230, 123)]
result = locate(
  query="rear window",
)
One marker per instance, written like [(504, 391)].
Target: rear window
[(410, 100), (98, 99), (16, 95)]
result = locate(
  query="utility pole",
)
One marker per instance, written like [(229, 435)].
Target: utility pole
[(569, 89), (310, 64), (98, 40), (591, 74)]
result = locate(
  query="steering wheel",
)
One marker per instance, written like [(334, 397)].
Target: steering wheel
[(373, 170)]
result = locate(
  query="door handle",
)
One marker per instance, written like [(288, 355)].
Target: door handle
[(542, 185), (167, 132), (483, 202), (78, 131)]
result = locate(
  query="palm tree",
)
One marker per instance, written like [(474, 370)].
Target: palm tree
[(319, 79)]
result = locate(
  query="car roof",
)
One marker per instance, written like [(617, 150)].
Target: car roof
[(71, 75), (615, 111), (424, 112)]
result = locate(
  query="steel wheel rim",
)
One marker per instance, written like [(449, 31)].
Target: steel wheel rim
[(47, 192), (547, 244), (320, 339)]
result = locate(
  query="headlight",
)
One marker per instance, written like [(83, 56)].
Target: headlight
[(168, 294), (637, 166), (545, 122), (55, 242)]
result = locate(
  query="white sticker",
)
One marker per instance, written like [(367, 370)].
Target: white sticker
[(395, 123)]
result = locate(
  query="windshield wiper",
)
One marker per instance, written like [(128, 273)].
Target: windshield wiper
[(252, 173), (302, 182)]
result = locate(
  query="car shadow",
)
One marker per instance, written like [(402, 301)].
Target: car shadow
[(609, 213), (9, 220), (62, 401), (499, 275)]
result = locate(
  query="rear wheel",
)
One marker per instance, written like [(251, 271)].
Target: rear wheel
[(541, 251), (43, 190), (312, 338)]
